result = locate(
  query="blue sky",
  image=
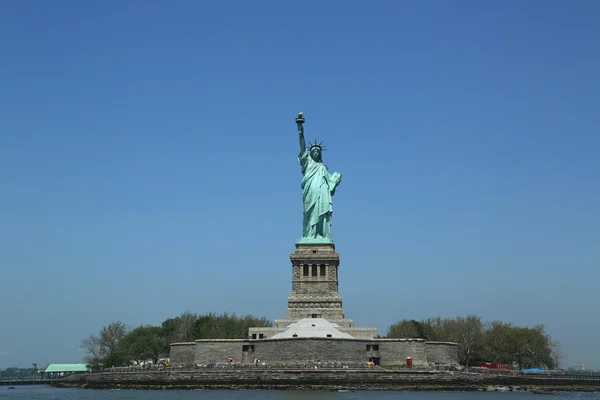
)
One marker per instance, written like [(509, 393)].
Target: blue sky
[(148, 162)]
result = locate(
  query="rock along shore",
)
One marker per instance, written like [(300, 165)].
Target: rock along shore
[(326, 379)]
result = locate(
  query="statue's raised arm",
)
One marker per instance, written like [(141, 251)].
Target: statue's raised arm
[(299, 122)]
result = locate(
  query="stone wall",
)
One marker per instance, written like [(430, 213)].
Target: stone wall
[(393, 352), (182, 353), (388, 352), (310, 349), (442, 353), (218, 350)]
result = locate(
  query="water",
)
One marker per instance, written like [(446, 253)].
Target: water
[(48, 393)]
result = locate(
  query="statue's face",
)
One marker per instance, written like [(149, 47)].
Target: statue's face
[(315, 154)]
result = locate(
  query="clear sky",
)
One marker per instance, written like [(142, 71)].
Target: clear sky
[(148, 162)]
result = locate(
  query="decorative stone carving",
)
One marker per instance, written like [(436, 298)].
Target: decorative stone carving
[(332, 272), (296, 272)]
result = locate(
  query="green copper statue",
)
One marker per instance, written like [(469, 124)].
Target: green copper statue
[(318, 186)]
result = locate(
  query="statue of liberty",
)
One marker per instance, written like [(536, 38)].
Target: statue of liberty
[(318, 187)]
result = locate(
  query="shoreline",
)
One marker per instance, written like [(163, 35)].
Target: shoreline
[(338, 388), (327, 380)]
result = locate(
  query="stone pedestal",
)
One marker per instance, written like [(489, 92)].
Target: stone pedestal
[(315, 283)]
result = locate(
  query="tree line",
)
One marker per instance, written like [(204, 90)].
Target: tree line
[(119, 345), (15, 372), (479, 341)]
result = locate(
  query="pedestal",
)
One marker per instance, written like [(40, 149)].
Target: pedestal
[(315, 283)]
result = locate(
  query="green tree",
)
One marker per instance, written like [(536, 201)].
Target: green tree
[(532, 347), (15, 372), (497, 343), (116, 345), (181, 328), (111, 334), (476, 340), (467, 332), (403, 329), (206, 327), (116, 359), (143, 343), (226, 326)]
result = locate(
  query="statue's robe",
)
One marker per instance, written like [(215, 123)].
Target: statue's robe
[(318, 186)]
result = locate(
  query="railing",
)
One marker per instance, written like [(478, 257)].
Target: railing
[(585, 377), (300, 365), (262, 366), (332, 365), (581, 374), (305, 366)]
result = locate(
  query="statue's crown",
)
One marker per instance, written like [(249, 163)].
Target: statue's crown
[(315, 144)]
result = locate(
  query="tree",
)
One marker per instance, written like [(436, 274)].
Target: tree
[(116, 345), (93, 349), (226, 326), (143, 343), (467, 333), (180, 329), (111, 334), (15, 372), (496, 343), (531, 347), (116, 359), (185, 327), (205, 327), (403, 329), (99, 348), (558, 356)]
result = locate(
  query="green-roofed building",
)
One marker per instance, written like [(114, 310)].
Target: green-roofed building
[(66, 368)]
